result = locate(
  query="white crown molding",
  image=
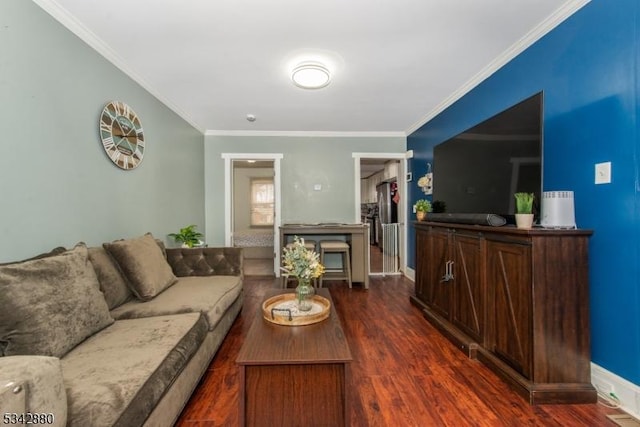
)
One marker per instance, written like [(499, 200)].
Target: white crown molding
[(61, 15), (324, 134), (379, 155), (521, 45)]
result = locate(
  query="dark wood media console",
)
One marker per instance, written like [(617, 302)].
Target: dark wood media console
[(517, 300)]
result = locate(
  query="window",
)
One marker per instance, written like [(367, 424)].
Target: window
[(262, 202)]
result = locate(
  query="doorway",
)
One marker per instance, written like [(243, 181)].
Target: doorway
[(381, 203), (252, 209), (253, 213)]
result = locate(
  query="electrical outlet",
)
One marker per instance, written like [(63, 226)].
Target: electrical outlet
[(603, 386), (603, 173)]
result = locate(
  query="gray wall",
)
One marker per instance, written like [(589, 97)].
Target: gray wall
[(57, 185), (306, 161)]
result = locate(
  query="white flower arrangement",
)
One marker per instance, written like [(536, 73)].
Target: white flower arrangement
[(300, 262)]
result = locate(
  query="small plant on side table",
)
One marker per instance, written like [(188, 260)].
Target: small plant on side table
[(422, 206), (188, 236), (524, 210), (524, 203)]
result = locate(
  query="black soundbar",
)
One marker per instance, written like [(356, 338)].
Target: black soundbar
[(468, 218)]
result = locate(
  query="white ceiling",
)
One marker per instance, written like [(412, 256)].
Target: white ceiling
[(396, 63)]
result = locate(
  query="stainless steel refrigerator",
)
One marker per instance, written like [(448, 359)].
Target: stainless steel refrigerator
[(387, 208)]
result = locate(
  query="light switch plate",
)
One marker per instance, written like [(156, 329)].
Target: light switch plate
[(603, 173)]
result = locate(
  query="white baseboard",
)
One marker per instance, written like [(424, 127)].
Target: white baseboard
[(603, 380), (410, 273), (628, 393)]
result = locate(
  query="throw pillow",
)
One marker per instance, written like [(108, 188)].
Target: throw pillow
[(52, 252), (50, 305), (141, 261), (112, 283)]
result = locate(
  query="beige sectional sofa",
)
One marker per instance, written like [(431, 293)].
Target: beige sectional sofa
[(117, 335)]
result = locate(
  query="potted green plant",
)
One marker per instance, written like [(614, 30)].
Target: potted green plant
[(188, 236), (524, 210), (422, 206)]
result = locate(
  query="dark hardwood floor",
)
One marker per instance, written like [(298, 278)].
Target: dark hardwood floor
[(404, 373)]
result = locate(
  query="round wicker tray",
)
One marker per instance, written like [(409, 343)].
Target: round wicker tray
[(281, 309)]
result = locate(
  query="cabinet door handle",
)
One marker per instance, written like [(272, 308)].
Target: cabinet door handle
[(448, 271), (445, 278)]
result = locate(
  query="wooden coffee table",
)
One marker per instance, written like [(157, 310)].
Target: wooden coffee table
[(294, 375)]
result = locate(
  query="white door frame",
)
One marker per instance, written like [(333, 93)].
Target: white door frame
[(402, 187), (228, 201)]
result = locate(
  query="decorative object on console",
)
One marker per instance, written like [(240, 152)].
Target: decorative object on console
[(524, 210), (422, 206), (121, 134), (439, 206), (304, 265), (558, 209), (426, 182), (282, 309), (188, 236)]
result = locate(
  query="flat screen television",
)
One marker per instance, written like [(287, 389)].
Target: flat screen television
[(479, 170)]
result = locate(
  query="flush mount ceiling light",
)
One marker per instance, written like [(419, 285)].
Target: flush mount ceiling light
[(311, 75)]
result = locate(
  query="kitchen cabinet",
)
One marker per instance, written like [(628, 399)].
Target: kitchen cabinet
[(517, 300), (364, 191), (391, 169)]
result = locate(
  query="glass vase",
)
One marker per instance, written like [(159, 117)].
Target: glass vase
[(304, 295)]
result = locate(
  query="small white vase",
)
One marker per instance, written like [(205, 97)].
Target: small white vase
[(524, 221)]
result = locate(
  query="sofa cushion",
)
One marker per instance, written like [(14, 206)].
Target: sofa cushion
[(50, 305), (141, 261), (211, 295), (112, 283), (117, 377)]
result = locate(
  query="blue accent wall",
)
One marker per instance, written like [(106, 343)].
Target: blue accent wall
[(588, 70)]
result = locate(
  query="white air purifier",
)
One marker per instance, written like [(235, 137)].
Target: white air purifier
[(558, 210)]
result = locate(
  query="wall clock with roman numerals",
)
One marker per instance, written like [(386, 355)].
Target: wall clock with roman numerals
[(121, 134)]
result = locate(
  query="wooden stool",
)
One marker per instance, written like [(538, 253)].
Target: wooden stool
[(308, 244), (336, 246)]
